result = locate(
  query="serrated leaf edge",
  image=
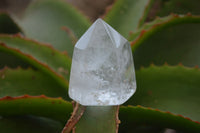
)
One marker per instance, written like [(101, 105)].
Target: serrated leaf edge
[(45, 68), (142, 34)]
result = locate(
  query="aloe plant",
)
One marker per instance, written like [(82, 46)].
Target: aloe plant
[(35, 61)]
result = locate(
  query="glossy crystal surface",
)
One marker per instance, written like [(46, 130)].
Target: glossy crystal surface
[(102, 71)]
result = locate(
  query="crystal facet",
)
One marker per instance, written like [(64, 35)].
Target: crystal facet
[(102, 71)]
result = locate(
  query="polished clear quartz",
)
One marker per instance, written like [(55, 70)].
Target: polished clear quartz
[(102, 71)]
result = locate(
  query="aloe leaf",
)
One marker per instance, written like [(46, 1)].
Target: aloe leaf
[(11, 61), (17, 82), (44, 53), (44, 20), (174, 89), (141, 119), (41, 106), (127, 15), (44, 68), (29, 124), (172, 39), (60, 110), (33, 114), (38, 55), (7, 25), (166, 7), (98, 119)]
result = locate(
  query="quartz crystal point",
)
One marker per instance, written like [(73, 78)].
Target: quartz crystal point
[(102, 71)]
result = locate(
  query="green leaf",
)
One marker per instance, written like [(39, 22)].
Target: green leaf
[(166, 7), (17, 82), (172, 39), (7, 25), (41, 106), (40, 56), (174, 89), (127, 15), (11, 61), (58, 109), (100, 119), (44, 20), (42, 52), (29, 124), (141, 119), (33, 114)]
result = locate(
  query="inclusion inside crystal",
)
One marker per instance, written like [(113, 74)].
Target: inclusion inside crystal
[(102, 71)]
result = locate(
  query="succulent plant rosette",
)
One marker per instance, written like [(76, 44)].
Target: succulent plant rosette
[(40, 63)]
